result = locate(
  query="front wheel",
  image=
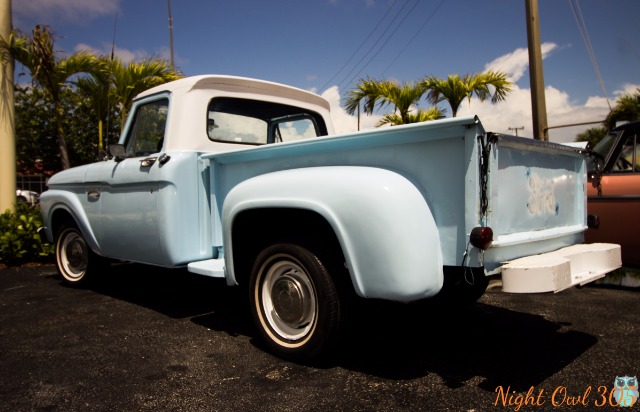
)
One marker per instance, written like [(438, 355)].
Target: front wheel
[(294, 302), (74, 259)]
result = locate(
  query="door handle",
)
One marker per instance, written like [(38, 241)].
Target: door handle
[(93, 195), (164, 158), (148, 162)]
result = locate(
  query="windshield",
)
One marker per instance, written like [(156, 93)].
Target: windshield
[(603, 148)]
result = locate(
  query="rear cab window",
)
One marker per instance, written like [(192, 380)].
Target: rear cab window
[(256, 122)]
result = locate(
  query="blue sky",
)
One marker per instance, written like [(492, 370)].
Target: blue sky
[(327, 45)]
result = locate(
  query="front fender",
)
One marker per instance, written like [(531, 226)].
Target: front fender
[(53, 201), (383, 223)]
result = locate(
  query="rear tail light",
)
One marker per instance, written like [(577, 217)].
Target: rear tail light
[(481, 237)]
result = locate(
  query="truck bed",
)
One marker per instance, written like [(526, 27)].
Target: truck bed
[(534, 192)]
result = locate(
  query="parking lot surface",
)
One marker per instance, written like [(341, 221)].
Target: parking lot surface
[(152, 339)]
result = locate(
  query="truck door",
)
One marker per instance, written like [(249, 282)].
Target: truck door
[(618, 201), (129, 197)]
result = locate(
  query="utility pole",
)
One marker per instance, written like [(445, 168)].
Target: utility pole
[(516, 129), (173, 66), (536, 75), (7, 118)]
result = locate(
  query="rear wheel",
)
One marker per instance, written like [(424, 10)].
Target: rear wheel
[(75, 260), (294, 302)]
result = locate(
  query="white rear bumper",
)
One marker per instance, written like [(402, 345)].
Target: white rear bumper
[(561, 269)]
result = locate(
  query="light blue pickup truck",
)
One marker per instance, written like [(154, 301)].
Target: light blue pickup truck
[(244, 180)]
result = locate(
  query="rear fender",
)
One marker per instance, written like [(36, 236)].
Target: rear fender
[(384, 225)]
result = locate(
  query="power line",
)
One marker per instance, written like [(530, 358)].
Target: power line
[(587, 42), (387, 40), (360, 46), (375, 44), (406, 46)]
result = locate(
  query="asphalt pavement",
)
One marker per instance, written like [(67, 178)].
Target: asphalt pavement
[(145, 338)]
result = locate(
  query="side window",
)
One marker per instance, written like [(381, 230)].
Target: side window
[(629, 157), (294, 129), (146, 134)]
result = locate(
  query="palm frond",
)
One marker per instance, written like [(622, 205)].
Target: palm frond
[(627, 108), (454, 89), (383, 93), (130, 79)]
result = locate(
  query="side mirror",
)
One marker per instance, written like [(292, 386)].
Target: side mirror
[(117, 151)]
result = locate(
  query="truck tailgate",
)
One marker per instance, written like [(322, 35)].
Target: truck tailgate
[(536, 197), (536, 203)]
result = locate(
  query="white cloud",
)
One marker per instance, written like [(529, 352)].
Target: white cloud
[(561, 109), (517, 62), (513, 113), (596, 101), (70, 10), (627, 88), (516, 112), (127, 55)]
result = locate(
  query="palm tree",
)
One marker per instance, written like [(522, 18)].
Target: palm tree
[(627, 108), (36, 53), (592, 135), (97, 89), (403, 97), (454, 89), (132, 78)]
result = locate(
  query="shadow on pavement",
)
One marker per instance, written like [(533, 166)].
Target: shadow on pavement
[(485, 344), (178, 294)]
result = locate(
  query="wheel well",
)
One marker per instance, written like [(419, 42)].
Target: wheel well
[(253, 230), (58, 219)]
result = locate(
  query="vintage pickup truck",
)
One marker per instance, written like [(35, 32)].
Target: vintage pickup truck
[(242, 179)]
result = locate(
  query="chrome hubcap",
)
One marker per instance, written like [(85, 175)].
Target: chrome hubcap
[(74, 255), (289, 300)]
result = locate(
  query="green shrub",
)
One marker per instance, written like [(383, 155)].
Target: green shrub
[(19, 239)]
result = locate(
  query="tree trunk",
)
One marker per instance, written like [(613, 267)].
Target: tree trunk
[(62, 143)]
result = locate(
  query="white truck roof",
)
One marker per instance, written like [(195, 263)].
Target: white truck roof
[(240, 84), (190, 97)]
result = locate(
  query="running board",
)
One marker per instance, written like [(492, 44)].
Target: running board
[(212, 267), (559, 270)]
